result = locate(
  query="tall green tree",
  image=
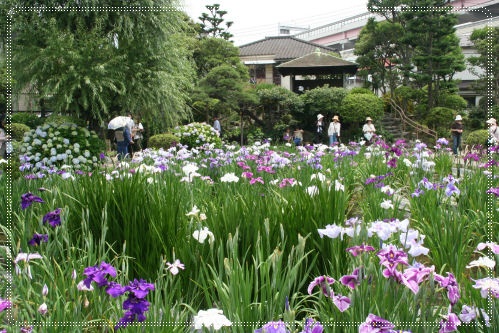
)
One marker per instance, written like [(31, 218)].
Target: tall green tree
[(486, 62), (437, 53), (416, 46), (98, 63), (212, 23)]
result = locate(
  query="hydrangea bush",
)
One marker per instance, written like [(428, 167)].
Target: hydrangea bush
[(52, 145), (197, 134)]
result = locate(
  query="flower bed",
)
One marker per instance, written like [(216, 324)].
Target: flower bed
[(382, 238)]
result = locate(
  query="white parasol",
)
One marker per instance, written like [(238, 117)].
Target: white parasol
[(118, 122)]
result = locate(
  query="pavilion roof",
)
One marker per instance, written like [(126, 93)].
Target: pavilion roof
[(317, 63)]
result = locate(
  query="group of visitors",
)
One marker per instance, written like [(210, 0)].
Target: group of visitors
[(333, 131), (129, 137)]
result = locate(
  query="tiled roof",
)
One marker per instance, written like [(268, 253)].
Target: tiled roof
[(317, 63), (282, 47), (317, 59)]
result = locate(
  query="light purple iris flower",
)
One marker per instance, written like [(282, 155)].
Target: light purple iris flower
[(449, 324), (273, 327), (375, 324), (312, 326)]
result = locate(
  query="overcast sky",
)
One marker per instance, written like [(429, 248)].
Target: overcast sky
[(257, 19)]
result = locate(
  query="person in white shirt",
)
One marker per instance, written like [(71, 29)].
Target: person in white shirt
[(217, 126), (333, 131), (137, 134), (493, 131), (369, 129)]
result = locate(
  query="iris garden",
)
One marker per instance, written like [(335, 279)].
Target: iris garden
[(264, 238)]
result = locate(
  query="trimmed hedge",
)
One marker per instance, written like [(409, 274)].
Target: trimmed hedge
[(478, 137), (18, 130), (164, 141)]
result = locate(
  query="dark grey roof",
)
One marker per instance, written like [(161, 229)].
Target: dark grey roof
[(317, 63), (282, 47)]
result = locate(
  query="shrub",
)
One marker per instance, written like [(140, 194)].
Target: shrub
[(55, 145), (58, 119), (197, 134), (356, 107), (478, 137), (29, 119), (453, 101), (17, 131), (164, 141)]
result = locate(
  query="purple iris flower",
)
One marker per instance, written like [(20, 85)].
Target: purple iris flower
[(135, 304), (312, 326), (415, 275), (451, 189), (449, 324), (115, 289), (375, 324), (443, 141), (98, 274), (139, 288), (273, 327), (38, 239), (494, 191), (5, 304), (392, 163), (28, 198), (358, 249), (352, 280), (26, 329), (449, 283), (390, 256), (135, 311), (53, 218), (417, 192), (323, 282)]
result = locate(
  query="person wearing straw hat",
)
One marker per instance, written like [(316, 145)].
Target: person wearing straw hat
[(457, 131), (368, 129), (334, 130), (319, 131), (493, 132)]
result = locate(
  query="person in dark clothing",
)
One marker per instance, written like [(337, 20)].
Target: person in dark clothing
[(457, 131), (319, 130), (123, 139)]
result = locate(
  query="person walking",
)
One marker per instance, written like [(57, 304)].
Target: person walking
[(493, 132), (217, 126), (123, 140), (369, 129), (457, 131), (333, 131), (319, 129)]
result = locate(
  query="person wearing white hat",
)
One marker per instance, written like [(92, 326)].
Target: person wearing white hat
[(319, 131), (493, 131), (457, 131), (333, 130), (368, 129)]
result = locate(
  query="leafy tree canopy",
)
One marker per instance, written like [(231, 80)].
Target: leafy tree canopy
[(97, 64)]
